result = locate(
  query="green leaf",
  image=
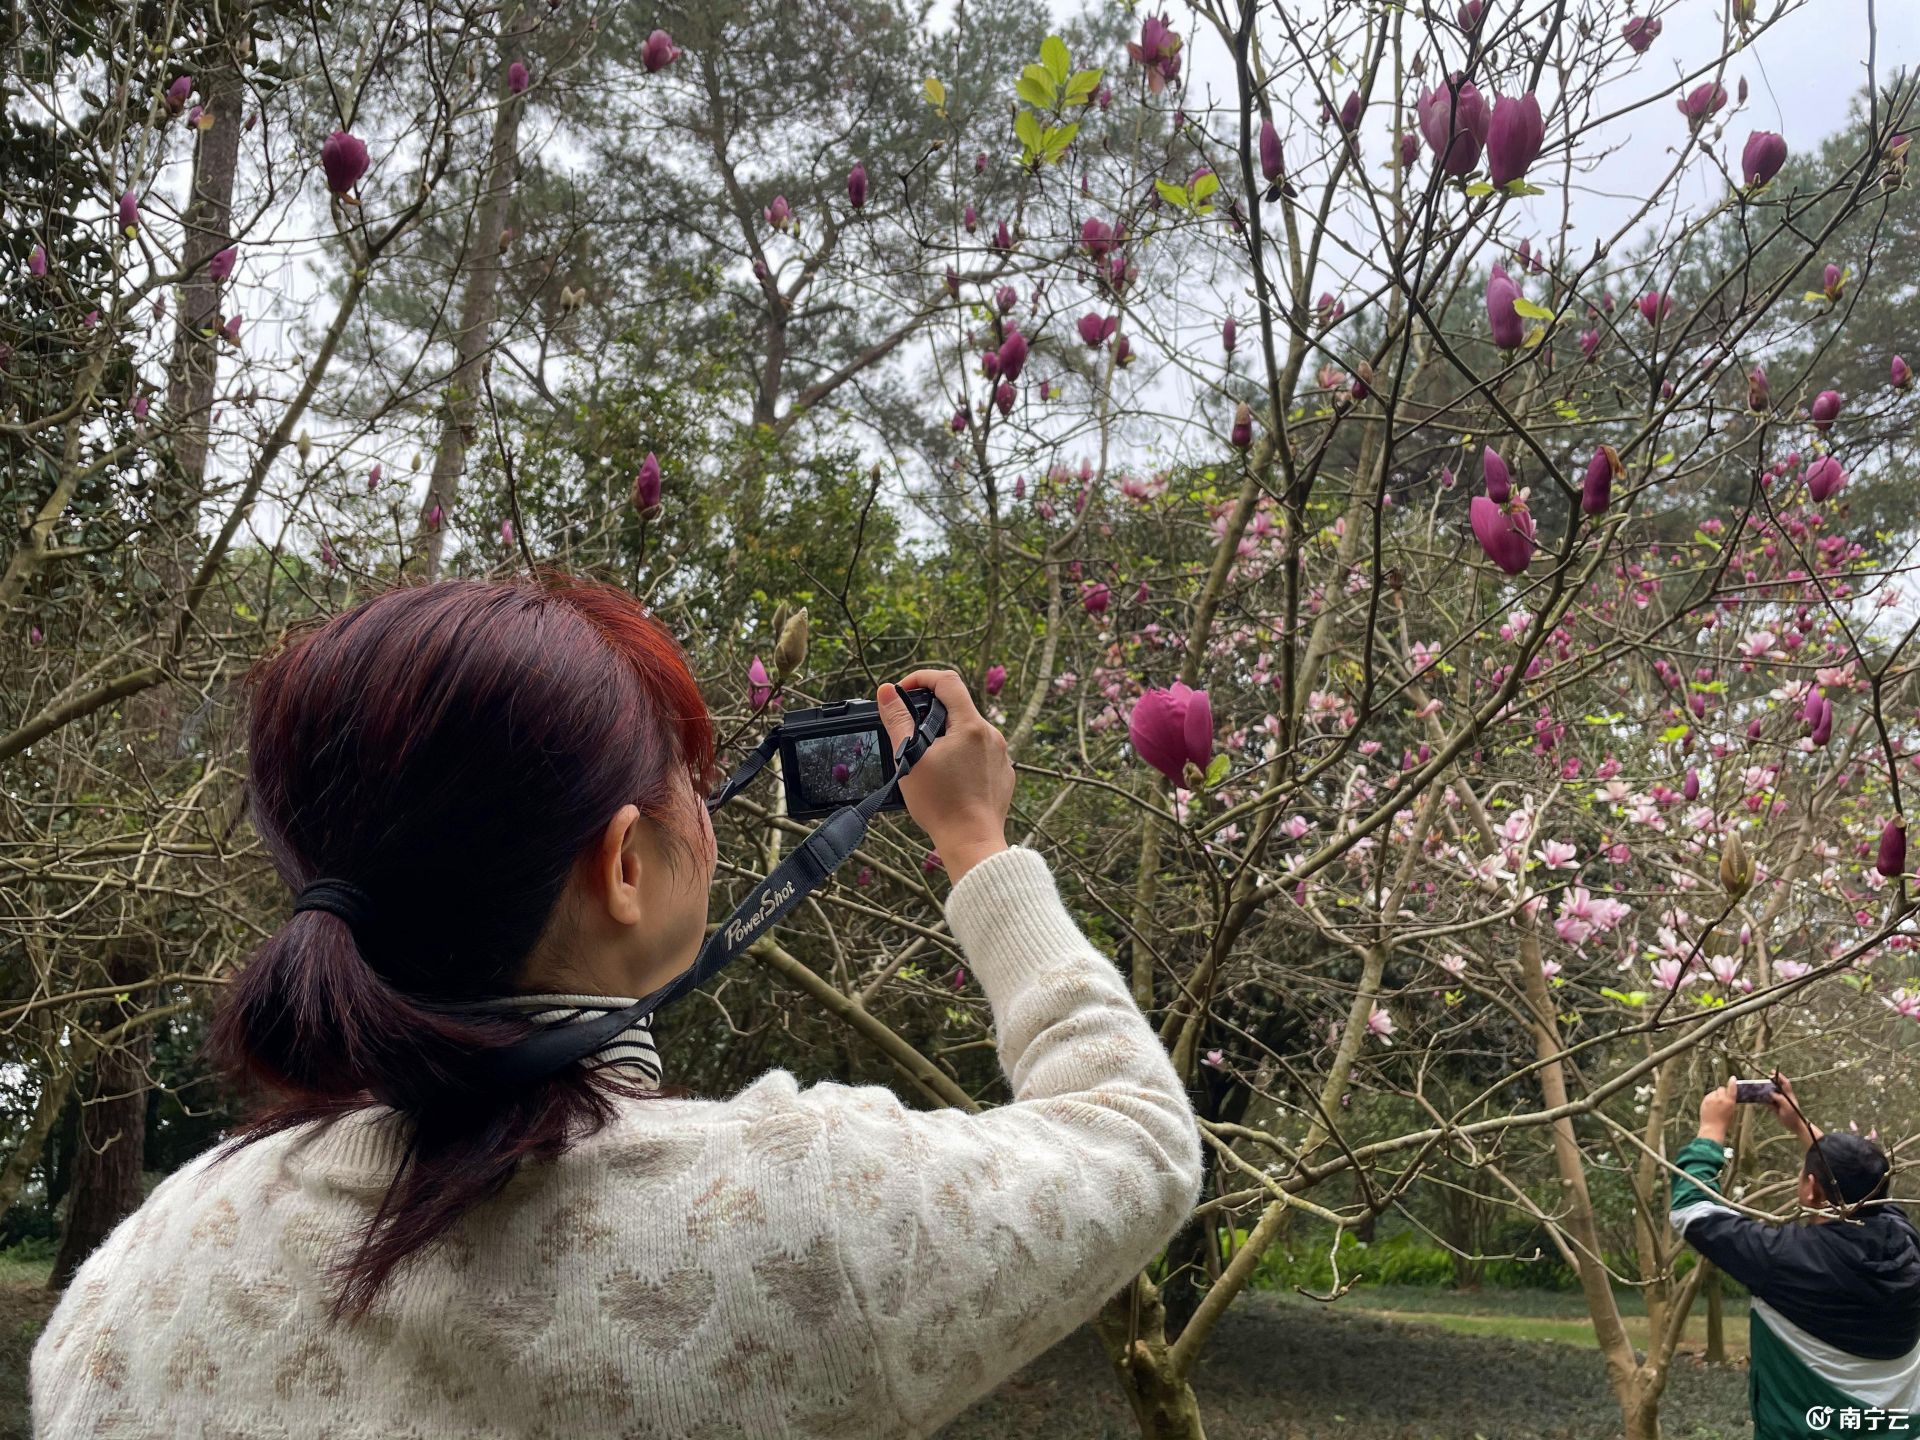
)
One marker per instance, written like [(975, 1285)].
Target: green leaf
[(1171, 193), (1081, 87), (936, 94), (1605, 718), (1205, 186), (1534, 337), (1635, 998), (1027, 127), (1529, 310), (1058, 139), (1053, 55), (1817, 297), (1479, 188), (1338, 68), (1520, 187), (1217, 769), (1666, 459), (1038, 88), (1675, 732)]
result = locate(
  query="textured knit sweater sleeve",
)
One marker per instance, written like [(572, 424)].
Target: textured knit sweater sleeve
[(974, 1242)]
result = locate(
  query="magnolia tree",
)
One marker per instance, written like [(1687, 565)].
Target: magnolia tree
[(1444, 650)]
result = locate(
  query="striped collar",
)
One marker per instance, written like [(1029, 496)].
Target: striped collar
[(631, 1049)]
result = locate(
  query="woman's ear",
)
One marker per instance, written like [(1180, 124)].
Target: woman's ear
[(618, 865)]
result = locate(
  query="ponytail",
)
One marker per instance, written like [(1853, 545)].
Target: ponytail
[(464, 739)]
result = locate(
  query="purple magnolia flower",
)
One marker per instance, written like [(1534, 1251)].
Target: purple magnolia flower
[(1901, 373), (220, 264), (857, 185), (1003, 397), (1327, 310), (231, 330), (1499, 478), (1759, 391), (506, 531), (646, 485), (1639, 32), (141, 405), (1002, 237), (1690, 787), (1271, 160), (961, 420), (1229, 332), (1012, 355), (435, 516), (1241, 436), (1596, 491), (517, 78), (1172, 730), (344, 159), (129, 213), (1825, 410), (178, 92), (37, 261), (1006, 298), (1095, 597), (1158, 49), (1891, 859), (1833, 281), (1655, 307), (1703, 102), (995, 680), (1589, 342), (980, 163), (659, 52), (327, 556), (1123, 355), (1505, 533), (778, 215), (1350, 112), (759, 684), (1502, 318), (970, 217), (35, 636), (1470, 14), (1825, 479), (1761, 159), (1409, 149), (953, 282), (1458, 110), (1095, 329), (1097, 237), (1822, 722), (1514, 135)]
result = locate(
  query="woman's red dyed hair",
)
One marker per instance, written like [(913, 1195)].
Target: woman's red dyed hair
[(452, 750)]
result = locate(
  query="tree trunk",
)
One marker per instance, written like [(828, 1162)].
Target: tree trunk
[(1642, 1416), (107, 1166), (478, 306), (56, 1083), (1132, 1326), (1716, 1318)]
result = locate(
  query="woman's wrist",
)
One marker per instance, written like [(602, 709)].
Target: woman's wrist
[(961, 855)]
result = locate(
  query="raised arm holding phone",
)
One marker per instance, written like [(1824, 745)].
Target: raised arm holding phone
[(1835, 1317)]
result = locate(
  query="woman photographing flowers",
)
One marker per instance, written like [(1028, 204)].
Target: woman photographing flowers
[(487, 798)]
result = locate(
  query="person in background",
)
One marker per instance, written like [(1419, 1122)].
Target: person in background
[(490, 795), (1835, 1318)]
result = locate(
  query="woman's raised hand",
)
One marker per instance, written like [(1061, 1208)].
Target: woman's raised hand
[(959, 792)]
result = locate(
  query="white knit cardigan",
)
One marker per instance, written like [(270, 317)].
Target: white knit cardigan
[(791, 1262)]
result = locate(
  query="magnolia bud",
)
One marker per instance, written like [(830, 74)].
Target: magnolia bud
[(790, 650), (1736, 868)]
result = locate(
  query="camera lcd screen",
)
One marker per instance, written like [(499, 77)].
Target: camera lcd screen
[(835, 770)]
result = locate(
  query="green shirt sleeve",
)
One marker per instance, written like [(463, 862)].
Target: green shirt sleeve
[(1701, 1161)]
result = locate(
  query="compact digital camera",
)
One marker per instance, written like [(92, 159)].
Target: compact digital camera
[(839, 754)]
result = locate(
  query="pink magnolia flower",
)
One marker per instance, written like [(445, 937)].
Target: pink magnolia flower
[(1514, 135), (1499, 478), (1172, 729), (220, 266), (1502, 319), (1158, 49), (1454, 965), (1669, 973), (517, 78), (1703, 102), (1558, 855), (1900, 374), (344, 160), (995, 680), (659, 52), (1504, 533), (1453, 120), (759, 684), (1214, 1059), (857, 185), (646, 485), (129, 213), (1904, 1002), (1640, 31), (1825, 479), (1762, 158), (1095, 329), (778, 215), (37, 261), (1380, 1025), (1825, 410)]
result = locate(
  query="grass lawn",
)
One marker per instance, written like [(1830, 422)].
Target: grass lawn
[(1408, 1364), (1532, 1315)]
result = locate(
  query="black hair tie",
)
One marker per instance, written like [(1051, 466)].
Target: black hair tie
[(339, 898)]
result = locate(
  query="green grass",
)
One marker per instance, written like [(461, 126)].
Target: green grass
[(1529, 1314)]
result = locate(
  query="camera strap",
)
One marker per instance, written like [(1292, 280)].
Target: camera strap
[(555, 1047)]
